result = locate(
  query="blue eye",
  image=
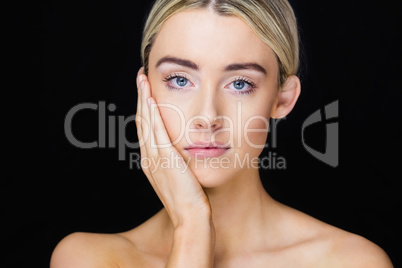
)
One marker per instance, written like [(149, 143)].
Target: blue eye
[(242, 86), (177, 82), (181, 81), (239, 85)]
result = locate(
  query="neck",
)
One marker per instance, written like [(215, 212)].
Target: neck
[(240, 212)]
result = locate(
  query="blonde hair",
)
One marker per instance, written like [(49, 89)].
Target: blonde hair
[(272, 20)]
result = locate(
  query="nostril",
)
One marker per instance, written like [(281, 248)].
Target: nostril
[(205, 122)]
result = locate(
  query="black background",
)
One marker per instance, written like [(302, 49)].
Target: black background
[(58, 54)]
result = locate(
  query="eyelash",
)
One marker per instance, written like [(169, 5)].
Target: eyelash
[(239, 79), (247, 81), (171, 77)]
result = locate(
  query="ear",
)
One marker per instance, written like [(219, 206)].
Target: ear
[(286, 97)]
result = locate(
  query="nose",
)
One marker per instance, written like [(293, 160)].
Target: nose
[(205, 123), (207, 113)]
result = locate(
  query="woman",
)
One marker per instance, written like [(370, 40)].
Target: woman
[(214, 73)]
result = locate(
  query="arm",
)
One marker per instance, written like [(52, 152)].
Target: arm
[(193, 244)]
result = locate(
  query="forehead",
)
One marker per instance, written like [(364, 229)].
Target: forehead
[(210, 39)]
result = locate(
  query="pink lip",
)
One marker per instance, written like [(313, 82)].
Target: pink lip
[(201, 149)]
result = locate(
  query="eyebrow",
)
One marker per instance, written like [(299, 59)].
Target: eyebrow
[(182, 62), (194, 66), (245, 66)]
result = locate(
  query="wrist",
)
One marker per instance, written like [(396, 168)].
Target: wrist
[(193, 242), (194, 230), (196, 239), (190, 224), (193, 218)]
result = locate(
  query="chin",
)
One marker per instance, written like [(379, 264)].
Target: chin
[(211, 177)]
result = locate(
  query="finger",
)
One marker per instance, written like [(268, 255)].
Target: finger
[(138, 114), (143, 151), (145, 120), (140, 76), (158, 128), (138, 118), (141, 125), (165, 147), (140, 71)]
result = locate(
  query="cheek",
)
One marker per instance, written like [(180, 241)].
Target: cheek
[(255, 131), (173, 119), (255, 125), (172, 115)]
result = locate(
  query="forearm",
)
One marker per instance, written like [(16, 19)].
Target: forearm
[(193, 245)]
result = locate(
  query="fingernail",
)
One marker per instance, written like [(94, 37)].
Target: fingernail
[(149, 101), (142, 84)]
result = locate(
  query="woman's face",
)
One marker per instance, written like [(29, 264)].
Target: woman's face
[(216, 84)]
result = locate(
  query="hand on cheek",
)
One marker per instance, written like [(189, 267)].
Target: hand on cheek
[(176, 186)]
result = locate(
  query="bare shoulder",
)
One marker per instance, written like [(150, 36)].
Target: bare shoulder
[(328, 246), (95, 250), (351, 250), (346, 249)]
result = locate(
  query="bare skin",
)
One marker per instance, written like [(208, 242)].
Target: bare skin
[(149, 245), (215, 217)]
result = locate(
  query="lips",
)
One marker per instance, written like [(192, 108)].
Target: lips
[(202, 150)]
